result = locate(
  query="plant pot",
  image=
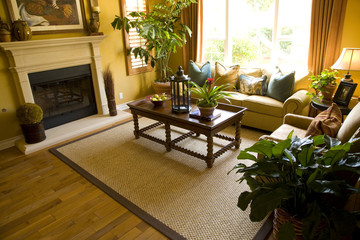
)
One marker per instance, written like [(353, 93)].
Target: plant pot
[(281, 216), (206, 111), (112, 107), (328, 91), (33, 133), (162, 87)]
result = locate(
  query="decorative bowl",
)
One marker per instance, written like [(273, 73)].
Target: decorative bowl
[(159, 102)]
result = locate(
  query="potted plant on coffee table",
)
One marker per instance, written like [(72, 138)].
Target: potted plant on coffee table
[(208, 95), (162, 31), (324, 83), (302, 181), (30, 116)]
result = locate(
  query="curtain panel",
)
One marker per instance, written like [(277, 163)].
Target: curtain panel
[(327, 20), (192, 17)]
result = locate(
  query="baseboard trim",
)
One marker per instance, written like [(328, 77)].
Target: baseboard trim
[(10, 142)]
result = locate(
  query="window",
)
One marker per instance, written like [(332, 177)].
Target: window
[(254, 33), (132, 40)]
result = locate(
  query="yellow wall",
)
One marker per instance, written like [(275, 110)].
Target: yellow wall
[(351, 36), (112, 51)]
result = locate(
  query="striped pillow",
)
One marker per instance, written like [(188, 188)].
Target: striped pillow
[(327, 122)]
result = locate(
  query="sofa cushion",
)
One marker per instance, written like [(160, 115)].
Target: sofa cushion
[(284, 130), (327, 122), (199, 74), (235, 99), (252, 85), (350, 125), (281, 86), (264, 104), (224, 75)]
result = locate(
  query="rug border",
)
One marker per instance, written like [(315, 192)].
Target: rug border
[(160, 226)]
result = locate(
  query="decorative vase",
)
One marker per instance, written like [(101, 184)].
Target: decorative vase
[(162, 87), (33, 133), (328, 91), (94, 26), (5, 34), (207, 111), (21, 30)]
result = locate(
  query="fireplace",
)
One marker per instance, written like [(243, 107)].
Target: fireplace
[(65, 94), (28, 59)]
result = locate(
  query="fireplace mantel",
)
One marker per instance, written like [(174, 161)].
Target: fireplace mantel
[(40, 55)]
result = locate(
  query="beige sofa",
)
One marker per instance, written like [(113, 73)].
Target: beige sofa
[(266, 113)]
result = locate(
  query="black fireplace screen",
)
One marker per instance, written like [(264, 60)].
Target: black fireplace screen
[(65, 94)]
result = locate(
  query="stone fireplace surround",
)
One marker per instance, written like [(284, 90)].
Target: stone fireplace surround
[(40, 55)]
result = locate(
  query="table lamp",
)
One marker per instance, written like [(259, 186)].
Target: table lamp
[(348, 60)]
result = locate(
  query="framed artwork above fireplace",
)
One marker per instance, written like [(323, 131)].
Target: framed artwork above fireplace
[(49, 16)]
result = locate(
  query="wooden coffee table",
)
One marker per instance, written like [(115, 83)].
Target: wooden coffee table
[(230, 114)]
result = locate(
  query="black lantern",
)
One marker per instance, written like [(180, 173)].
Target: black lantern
[(180, 93)]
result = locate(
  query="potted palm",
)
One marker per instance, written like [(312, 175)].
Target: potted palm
[(30, 116), (163, 33), (208, 95), (324, 83), (302, 181)]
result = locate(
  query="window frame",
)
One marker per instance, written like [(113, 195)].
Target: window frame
[(130, 70)]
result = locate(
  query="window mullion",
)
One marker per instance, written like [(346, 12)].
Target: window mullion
[(227, 42), (275, 40)]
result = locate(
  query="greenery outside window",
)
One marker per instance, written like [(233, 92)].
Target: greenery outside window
[(253, 33), (132, 39)]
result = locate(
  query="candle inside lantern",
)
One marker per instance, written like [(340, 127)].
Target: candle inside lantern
[(96, 9)]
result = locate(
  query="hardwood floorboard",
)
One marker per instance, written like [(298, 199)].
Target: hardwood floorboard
[(43, 198)]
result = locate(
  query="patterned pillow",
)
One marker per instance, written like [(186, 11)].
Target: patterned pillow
[(327, 122), (225, 75), (199, 74), (253, 85), (253, 72)]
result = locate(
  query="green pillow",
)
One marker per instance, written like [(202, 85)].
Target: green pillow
[(252, 85), (199, 75), (281, 86)]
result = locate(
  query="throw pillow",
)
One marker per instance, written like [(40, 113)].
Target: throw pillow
[(270, 71), (253, 72), (281, 86), (327, 122), (225, 75), (199, 75), (252, 85)]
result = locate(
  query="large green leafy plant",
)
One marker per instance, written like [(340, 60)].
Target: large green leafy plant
[(305, 178), (162, 30)]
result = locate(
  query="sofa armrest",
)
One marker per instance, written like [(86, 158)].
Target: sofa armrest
[(298, 121), (296, 102)]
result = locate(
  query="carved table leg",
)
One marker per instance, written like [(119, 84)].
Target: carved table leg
[(237, 135), (168, 137), (136, 125), (210, 155)]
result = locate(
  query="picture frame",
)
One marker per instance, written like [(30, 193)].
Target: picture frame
[(344, 93), (49, 16)]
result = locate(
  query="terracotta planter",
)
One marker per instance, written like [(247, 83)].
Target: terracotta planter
[(33, 133), (328, 92), (162, 87), (206, 111)]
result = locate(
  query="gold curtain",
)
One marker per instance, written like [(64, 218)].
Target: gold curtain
[(327, 20), (192, 17)]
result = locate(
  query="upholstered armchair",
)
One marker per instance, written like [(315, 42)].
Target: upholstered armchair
[(349, 129)]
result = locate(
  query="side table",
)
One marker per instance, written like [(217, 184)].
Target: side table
[(322, 105)]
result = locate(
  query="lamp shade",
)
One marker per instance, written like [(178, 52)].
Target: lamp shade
[(348, 60)]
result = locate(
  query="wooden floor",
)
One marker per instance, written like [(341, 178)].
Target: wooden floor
[(43, 198)]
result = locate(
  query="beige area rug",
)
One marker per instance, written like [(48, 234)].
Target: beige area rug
[(174, 192)]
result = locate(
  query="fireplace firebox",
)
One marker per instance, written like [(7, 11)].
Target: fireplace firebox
[(65, 94)]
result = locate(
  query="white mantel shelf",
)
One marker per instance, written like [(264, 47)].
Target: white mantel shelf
[(17, 45)]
